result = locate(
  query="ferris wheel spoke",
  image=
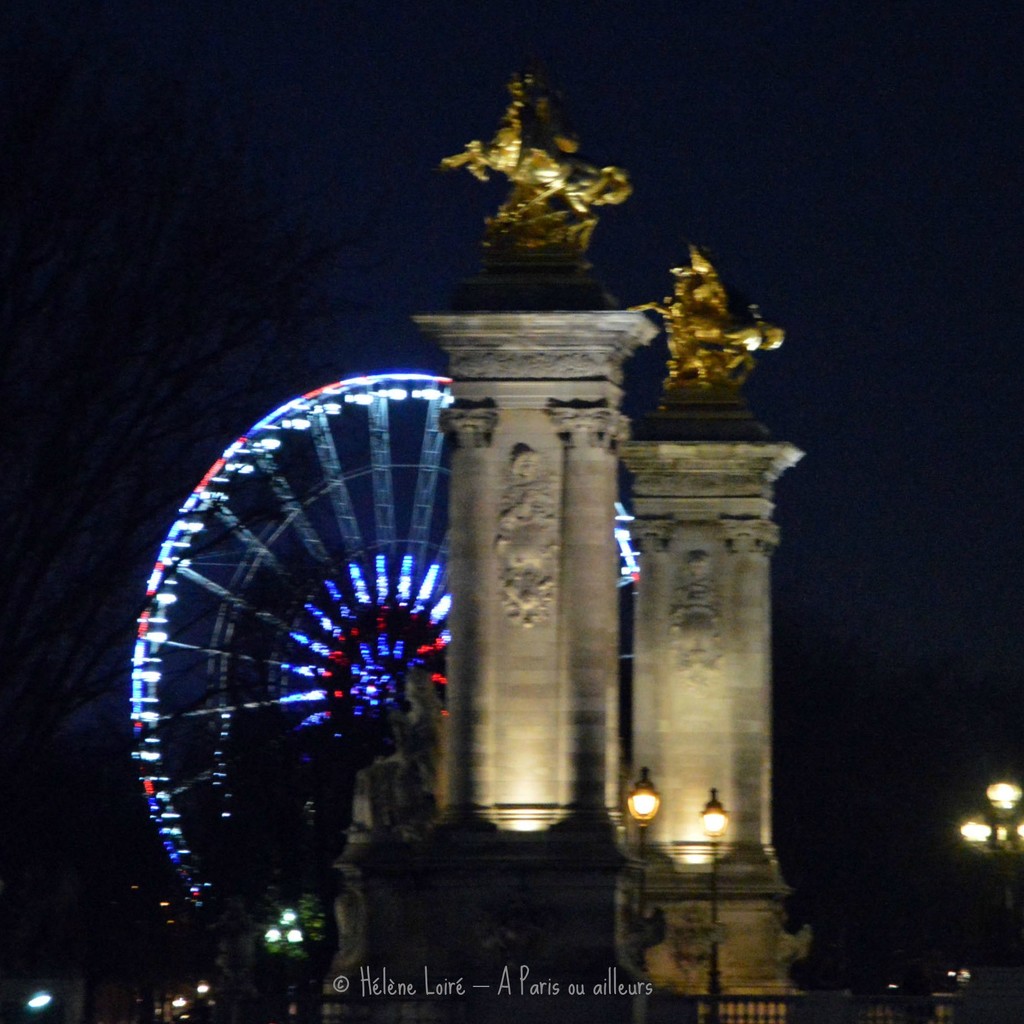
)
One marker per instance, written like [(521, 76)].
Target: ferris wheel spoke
[(185, 785), (337, 489), (295, 514), (426, 484), (310, 696), (235, 600), (442, 560), (380, 461), (253, 542), (219, 652), (301, 579)]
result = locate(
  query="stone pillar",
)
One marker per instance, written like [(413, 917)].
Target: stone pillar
[(702, 697), (590, 609), (534, 609), (748, 546), (472, 488)]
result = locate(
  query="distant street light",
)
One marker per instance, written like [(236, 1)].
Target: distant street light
[(204, 1003), (1000, 832), (285, 931), (716, 821), (643, 803)]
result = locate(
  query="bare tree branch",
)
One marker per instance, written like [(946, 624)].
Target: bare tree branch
[(143, 274)]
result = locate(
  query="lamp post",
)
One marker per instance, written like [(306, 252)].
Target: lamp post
[(646, 928), (203, 1002), (643, 803), (716, 821), (1000, 833)]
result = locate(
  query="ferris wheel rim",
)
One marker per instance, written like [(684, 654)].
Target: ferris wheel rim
[(389, 386)]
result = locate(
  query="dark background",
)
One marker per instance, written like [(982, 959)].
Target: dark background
[(857, 172)]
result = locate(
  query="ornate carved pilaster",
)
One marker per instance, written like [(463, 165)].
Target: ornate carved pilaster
[(595, 427), (589, 433), (469, 428), (652, 534), (750, 536)]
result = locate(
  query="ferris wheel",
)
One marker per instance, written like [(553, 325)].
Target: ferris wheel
[(304, 573)]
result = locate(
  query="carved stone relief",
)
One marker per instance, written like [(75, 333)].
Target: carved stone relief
[(535, 365), (350, 917), (695, 621), (395, 796), (637, 929), (527, 539), (513, 932), (690, 934)]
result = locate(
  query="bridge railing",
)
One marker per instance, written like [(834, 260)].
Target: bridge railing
[(807, 1008)]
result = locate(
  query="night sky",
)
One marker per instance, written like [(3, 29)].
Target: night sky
[(856, 172)]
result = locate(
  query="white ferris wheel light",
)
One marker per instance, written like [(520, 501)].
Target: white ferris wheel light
[(341, 488), (338, 486)]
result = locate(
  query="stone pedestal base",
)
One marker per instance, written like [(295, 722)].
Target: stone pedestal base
[(482, 926), (754, 950), (702, 414)]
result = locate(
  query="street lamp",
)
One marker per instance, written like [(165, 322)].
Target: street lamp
[(1000, 832), (716, 821), (643, 803), (286, 930), (39, 1001), (203, 1002)]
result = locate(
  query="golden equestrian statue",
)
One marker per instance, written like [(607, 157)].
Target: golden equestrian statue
[(548, 210), (709, 347)]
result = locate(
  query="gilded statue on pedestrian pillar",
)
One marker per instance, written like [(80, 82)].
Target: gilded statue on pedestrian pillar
[(548, 212), (710, 347)]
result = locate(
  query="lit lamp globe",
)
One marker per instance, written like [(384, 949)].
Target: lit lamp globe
[(715, 817), (1004, 795), (1002, 827), (976, 831), (643, 800)]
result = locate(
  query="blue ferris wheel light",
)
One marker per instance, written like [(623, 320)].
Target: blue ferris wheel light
[(316, 486), (304, 573)]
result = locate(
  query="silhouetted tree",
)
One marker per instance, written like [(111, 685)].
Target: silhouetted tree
[(147, 282)]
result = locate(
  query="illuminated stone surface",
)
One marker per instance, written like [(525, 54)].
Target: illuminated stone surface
[(523, 870), (702, 699), (534, 667)]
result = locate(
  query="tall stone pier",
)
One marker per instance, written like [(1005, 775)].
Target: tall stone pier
[(489, 910), (516, 889), (508, 896), (534, 664), (703, 490)]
